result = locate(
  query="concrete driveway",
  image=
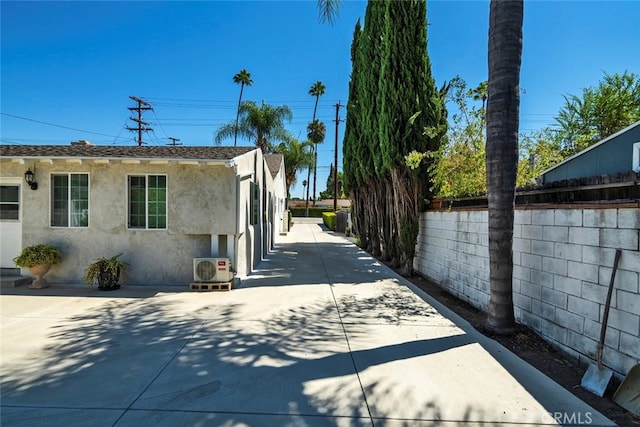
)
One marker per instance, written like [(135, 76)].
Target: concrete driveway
[(320, 335)]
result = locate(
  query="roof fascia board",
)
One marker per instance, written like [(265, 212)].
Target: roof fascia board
[(50, 159)]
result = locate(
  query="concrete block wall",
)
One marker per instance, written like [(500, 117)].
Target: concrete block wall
[(563, 261)]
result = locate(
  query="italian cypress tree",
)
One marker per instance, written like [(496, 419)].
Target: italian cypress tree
[(353, 164), (415, 119), (394, 110)]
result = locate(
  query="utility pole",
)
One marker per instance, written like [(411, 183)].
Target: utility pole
[(141, 124), (174, 141), (335, 163)]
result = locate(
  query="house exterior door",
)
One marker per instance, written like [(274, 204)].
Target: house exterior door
[(10, 222)]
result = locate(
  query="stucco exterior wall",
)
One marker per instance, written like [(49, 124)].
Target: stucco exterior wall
[(249, 169), (563, 261), (280, 198), (201, 203)]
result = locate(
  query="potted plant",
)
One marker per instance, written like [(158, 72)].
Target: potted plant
[(38, 259), (106, 272)]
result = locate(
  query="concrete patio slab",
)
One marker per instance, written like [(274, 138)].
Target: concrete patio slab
[(320, 335), (54, 417)]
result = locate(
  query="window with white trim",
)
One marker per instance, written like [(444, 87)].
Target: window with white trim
[(9, 202), (147, 202), (70, 200), (636, 157)]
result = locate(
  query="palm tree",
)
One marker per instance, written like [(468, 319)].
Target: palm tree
[(316, 90), (244, 78), (316, 131), (480, 93), (503, 108), (328, 10), (264, 124), (296, 155)]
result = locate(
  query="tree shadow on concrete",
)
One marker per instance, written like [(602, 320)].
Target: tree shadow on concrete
[(144, 363), (315, 263)]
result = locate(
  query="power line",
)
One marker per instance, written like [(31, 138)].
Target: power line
[(55, 125), (159, 125)]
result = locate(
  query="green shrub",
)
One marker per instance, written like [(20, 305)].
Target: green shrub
[(38, 254), (106, 271), (329, 219), (313, 212)]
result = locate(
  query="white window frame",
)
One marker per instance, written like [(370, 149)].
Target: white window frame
[(636, 157), (146, 202), (18, 202), (69, 210)]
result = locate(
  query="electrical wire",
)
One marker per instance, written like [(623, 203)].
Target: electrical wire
[(55, 125)]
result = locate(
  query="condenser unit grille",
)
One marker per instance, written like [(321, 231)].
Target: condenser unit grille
[(212, 270), (205, 270)]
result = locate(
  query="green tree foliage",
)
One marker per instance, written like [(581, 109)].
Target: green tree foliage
[(539, 150), (394, 110), (598, 112), (316, 131), (297, 155), (460, 169), (328, 193), (264, 124)]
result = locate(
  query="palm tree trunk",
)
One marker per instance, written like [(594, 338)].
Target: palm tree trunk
[(315, 155), (306, 205), (505, 55), (235, 137), (315, 172)]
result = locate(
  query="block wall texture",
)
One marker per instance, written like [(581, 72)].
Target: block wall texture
[(563, 262)]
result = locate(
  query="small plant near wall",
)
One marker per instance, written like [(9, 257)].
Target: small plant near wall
[(38, 259), (106, 272)]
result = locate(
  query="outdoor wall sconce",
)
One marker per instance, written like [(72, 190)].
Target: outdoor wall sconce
[(29, 177)]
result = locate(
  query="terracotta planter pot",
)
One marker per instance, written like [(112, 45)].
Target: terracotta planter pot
[(39, 271)]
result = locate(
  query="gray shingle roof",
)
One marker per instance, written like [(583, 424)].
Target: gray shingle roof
[(273, 163), (122, 152)]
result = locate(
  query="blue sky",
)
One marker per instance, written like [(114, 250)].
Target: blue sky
[(75, 64)]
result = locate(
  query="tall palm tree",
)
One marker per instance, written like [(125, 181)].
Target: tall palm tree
[(244, 78), (316, 90), (264, 124), (503, 108)]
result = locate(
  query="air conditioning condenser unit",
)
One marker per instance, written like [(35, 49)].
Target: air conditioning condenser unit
[(212, 270)]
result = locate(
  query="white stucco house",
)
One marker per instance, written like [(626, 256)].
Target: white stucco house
[(160, 207)]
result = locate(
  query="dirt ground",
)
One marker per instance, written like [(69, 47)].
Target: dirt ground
[(529, 346)]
